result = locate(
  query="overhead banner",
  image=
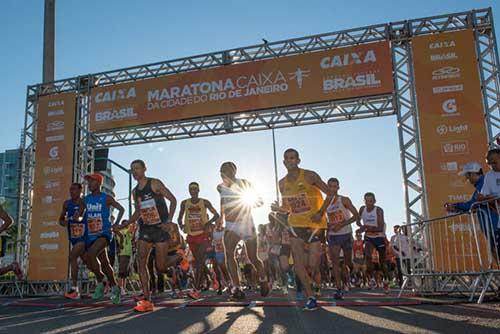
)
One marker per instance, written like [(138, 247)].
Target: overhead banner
[(341, 73), (453, 132), (48, 253)]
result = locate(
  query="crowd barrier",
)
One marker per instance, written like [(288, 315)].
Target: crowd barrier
[(455, 253)]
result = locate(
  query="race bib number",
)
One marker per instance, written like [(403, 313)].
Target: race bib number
[(335, 218), (77, 230), (299, 204), (149, 212), (194, 220), (219, 246), (95, 225)]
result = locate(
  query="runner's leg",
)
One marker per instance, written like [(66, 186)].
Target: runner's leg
[(299, 258), (143, 251), (231, 239)]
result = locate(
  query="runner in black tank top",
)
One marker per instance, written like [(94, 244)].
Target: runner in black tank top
[(155, 220)]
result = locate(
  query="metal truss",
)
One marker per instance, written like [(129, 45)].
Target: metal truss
[(253, 121), (402, 102)]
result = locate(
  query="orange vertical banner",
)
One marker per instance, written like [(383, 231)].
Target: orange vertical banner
[(48, 251), (453, 132)]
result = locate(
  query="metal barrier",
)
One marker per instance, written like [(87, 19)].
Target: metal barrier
[(455, 253)]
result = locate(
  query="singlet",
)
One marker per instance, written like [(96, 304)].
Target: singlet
[(126, 246), (370, 218), (358, 249), (195, 217), (303, 200), (97, 214), (218, 241), (337, 213), (152, 206), (76, 229), (235, 210)]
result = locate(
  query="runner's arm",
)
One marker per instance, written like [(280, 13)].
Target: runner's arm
[(346, 201), (181, 215), (62, 217), (210, 208), (111, 202), (135, 216), (79, 214), (158, 186), (361, 226)]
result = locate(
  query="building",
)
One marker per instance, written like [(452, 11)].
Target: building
[(10, 175)]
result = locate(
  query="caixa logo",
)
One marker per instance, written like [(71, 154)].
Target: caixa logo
[(115, 95)]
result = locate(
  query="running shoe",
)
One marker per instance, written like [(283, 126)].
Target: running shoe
[(219, 292), (372, 284), (284, 290), (17, 270), (194, 295), (264, 288), (72, 294), (311, 304), (115, 295), (99, 292), (237, 295), (386, 287), (144, 306), (339, 295), (347, 288)]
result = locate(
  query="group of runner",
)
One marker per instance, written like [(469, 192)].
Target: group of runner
[(310, 215)]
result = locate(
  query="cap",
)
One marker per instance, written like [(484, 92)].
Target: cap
[(96, 177), (470, 167)]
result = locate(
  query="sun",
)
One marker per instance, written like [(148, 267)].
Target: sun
[(250, 197)]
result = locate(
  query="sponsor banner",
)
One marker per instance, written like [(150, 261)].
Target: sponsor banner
[(319, 76), (452, 130), (48, 255)]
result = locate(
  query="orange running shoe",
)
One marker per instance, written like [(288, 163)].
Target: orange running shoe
[(215, 284), (184, 264), (73, 294), (193, 294), (144, 306)]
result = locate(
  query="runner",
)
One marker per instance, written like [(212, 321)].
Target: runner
[(359, 264), (125, 240), (373, 227), (193, 219), (14, 266), (220, 261), (301, 191), (340, 214), (152, 215), (236, 210), (72, 217), (99, 235)]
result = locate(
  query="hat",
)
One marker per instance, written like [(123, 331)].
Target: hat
[(471, 167), (96, 177)]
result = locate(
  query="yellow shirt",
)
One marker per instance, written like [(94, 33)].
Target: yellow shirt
[(303, 201), (195, 217)]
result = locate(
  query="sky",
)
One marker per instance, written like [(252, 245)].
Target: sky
[(94, 36)]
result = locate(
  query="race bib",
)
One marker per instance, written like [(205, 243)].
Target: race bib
[(219, 246), (194, 220), (77, 230), (95, 225), (336, 217), (359, 254), (299, 204), (149, 212)]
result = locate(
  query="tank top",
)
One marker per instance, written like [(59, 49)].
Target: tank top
[(218, 241), (126, 246), (371, 219), (358, 250), (152, 206), (195, 217), (97, 214), (76, 229), (235, 211), (337, 213), (303, 200)]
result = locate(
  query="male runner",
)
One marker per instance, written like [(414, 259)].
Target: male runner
[(301, 191), (153, 217), (372, 217), (99, 235), (341, 214), (14, 266), (72, 217), (220, 260), (193, 218), (239, 226), (359, 265)]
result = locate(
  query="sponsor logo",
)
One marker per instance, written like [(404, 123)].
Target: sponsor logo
[(451, 166), (115, 115), (447, 72), (55, 126), (441, 45), (299, 76), (447, 89), (347, 59), (51, 139), (449, 106), (115, 95), (52, 170), (54, 113), (455, 147), (49, 235), (52, 184), (50, 223), (444, 56), (97, 207), (49, 199), (350, 82), (460, 227), (448, 129), (459, 182), (54, 153), (458, 198), (56, 103), (49, 247)]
